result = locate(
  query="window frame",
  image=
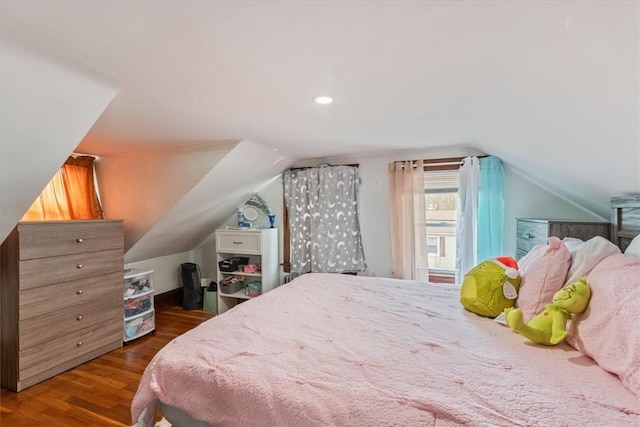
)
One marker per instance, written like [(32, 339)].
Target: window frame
[(432, 165)]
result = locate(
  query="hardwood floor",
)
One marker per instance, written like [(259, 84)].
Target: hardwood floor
[(99, 392)]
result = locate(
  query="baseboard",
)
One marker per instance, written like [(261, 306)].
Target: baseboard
[(167, 299)]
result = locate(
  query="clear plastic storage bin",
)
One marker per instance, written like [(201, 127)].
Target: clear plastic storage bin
[(138, 304), (139, 325), (137, 282)]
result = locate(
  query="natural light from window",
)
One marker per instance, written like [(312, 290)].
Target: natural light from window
[(441, 198)]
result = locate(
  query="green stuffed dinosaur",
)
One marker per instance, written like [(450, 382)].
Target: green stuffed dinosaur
[(548, 327)]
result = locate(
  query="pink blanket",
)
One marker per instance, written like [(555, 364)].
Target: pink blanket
[(338, 350)]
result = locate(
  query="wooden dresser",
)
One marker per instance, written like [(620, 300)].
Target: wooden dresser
[(61, 289), (531, 232)]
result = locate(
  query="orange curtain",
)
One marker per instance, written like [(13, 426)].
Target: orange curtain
[(71, 194)]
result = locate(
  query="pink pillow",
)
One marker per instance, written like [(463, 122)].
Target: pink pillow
[(608, 329), (543, 272)]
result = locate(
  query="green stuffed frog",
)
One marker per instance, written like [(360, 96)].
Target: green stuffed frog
[(548, 327)]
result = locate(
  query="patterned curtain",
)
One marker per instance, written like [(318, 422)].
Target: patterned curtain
[(322, 204)]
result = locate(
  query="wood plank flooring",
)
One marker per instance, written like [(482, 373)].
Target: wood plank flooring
[(99, 392)]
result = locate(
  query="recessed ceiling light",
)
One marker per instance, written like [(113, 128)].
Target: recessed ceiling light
[(322, 99)]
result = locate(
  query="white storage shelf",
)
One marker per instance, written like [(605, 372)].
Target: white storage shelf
[(261, 247), (139, 313), (241, 294)]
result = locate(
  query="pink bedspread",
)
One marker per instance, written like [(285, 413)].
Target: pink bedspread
[(338, 350)]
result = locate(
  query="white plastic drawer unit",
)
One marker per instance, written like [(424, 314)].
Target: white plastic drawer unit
[(241, 242), (139, 325), (137, 282)]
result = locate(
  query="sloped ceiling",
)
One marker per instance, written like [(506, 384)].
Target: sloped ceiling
[(40, 124), (550, 87), (231, 176), (142, 188)]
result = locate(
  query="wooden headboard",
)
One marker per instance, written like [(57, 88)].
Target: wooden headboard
[(625, 219)]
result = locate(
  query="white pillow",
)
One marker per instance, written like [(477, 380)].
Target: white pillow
[(571, 242), (586, 255), (634, 247)]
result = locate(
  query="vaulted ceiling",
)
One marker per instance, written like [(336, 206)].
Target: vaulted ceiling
[(550, 87)]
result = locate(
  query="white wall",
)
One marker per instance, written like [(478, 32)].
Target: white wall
[(165, 270), (141, 188), (524, 198), (528, 199), (205, 254)]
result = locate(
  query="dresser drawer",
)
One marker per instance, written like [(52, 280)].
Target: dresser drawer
[(47, 239), (39, 358), (45, 271), (520, 253), (40, 329), (241, 242), (531, 233), (46, 299)]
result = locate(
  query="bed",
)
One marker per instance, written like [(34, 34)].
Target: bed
[(340, 350)]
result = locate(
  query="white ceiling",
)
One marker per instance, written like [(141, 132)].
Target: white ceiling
[(540, 84)]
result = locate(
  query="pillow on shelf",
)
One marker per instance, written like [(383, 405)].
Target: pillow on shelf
[(634, 247), (543, 271), (607, 331), (587, 255)]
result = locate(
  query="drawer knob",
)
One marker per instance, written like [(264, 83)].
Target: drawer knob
[(79, 344), (79, 318), (237, 243), (80, 240), (79, 291), (79, 266)]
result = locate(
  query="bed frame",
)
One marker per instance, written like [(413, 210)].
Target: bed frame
[(625, 219)]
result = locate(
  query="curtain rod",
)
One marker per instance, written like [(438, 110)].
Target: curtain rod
[(451, 163), (355, 165), (75, 153)]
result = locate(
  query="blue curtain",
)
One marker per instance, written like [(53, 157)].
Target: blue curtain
[(490, 209)]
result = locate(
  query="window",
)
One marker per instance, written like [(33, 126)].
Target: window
[(432, 245), (441, 182), (71, 194)]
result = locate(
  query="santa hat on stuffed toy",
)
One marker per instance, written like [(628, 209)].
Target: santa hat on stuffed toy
[(509, 264)]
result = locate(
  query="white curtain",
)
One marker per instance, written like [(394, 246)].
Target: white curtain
[(408, 222), (466, 218)]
